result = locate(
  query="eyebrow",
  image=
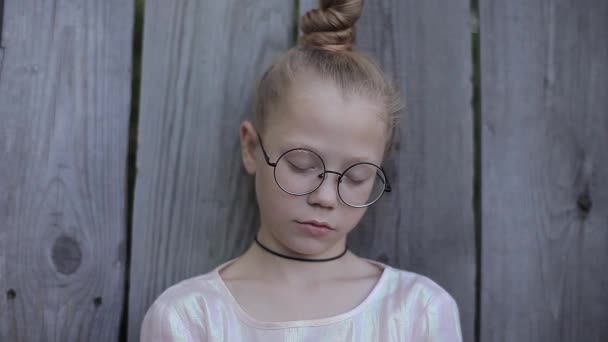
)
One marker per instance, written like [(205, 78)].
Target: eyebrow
[(350, 161)]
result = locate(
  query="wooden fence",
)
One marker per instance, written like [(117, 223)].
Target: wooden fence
[(64, 111), (500, 164)]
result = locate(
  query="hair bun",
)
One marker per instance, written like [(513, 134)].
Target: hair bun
[(332, 26)]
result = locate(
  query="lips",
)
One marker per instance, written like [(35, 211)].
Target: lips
[(317, 224)]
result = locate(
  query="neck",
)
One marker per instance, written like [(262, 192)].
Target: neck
[(297, 258), (296, 271)]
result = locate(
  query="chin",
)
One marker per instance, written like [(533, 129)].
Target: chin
[(308, 246)]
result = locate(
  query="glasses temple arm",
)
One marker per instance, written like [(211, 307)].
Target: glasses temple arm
[(387, 184), (264, 151)]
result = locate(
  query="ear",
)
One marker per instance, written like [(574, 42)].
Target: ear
[(249, 143)]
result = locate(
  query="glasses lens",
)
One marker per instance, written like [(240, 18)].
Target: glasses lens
[(299, 171), (362, 185)]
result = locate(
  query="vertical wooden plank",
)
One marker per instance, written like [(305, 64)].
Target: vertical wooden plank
[(427, 224), (544, 68), (194, 206), (64, 112), (1, 20), (1, 34)]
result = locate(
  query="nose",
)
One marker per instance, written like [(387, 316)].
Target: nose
[(326, 194)]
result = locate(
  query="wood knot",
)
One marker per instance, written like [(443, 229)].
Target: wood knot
[(584, 203), (97, 301), (66, 254), (11, 294)]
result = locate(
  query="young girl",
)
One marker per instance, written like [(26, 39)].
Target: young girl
[(324, 121)]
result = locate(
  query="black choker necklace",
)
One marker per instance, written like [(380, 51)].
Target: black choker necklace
[(296, 258)]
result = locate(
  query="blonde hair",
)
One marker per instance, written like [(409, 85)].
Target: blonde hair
[(326, 50)]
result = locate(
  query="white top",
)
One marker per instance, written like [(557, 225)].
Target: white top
[(402, 306)]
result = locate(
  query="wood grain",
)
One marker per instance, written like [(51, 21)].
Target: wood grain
[(544, 68), (64, 109), (194, 205), (426, 225)]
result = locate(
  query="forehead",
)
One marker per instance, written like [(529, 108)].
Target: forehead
[(317, 114)]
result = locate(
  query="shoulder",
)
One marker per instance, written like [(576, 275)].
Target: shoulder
[(437, 311), (424, 289), (201, 287), (179, 311)]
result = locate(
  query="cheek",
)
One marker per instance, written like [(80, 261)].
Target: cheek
[(353, 216), (273, 201)]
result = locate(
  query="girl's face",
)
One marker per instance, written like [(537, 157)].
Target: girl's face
[(343, 131)]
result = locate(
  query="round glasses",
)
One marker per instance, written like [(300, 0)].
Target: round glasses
[(300, 171)]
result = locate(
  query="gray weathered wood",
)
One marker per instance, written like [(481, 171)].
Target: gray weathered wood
[(426, 224), (194, 206), (1, 21), (64, 113), (544, 68)]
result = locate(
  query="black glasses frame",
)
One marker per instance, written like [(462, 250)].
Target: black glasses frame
[(387, 185)]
